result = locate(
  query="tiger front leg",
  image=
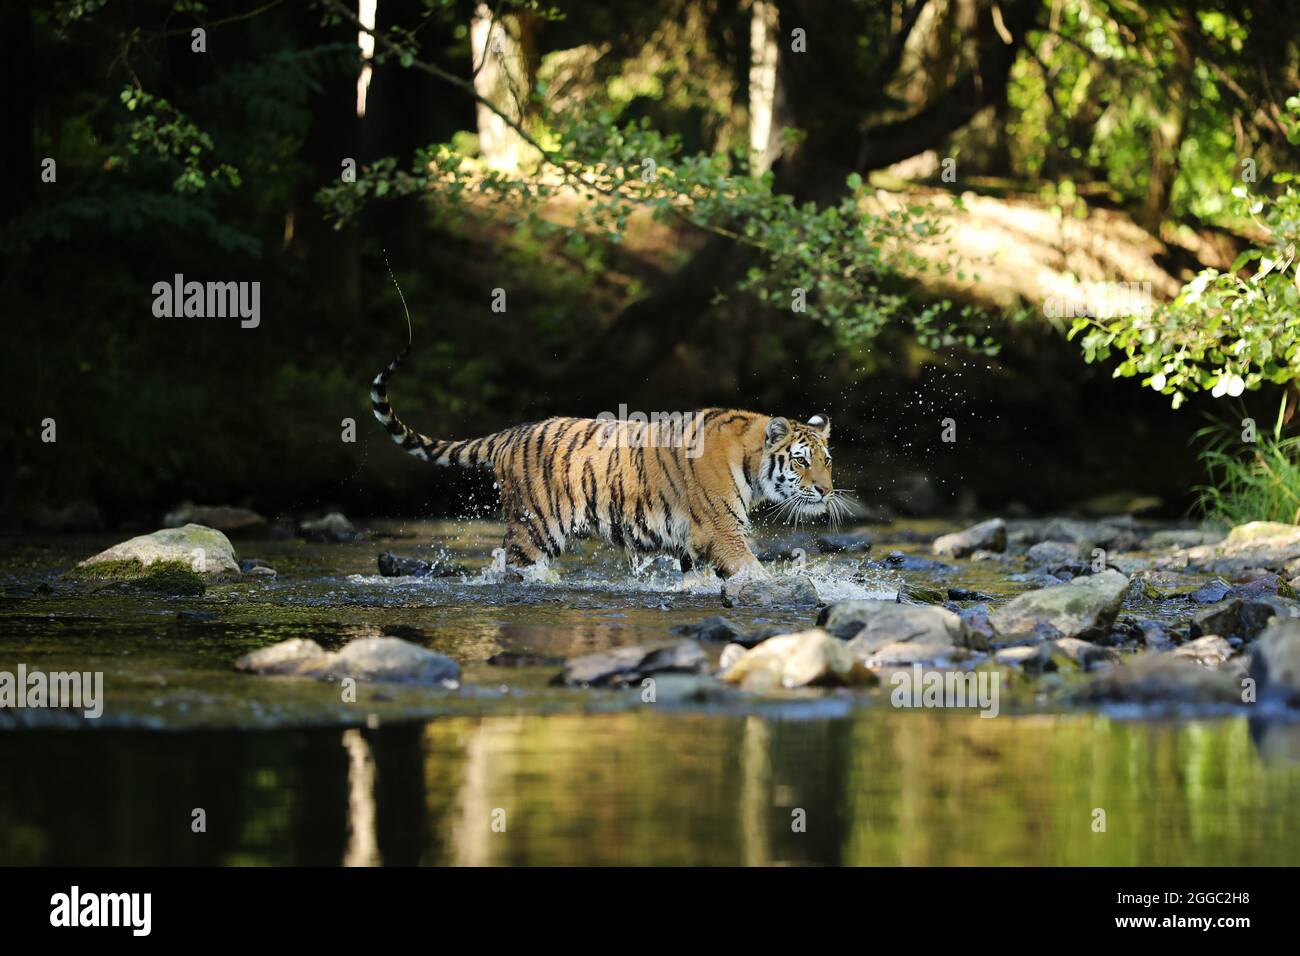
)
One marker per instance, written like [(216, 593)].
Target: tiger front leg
[(733, 556)]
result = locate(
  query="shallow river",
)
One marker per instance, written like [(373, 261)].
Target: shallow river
[(511, 770)]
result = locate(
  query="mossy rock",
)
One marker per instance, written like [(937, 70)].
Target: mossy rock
[(160, 577), (204, 553)]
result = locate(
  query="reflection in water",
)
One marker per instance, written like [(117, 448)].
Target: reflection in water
[(654, 786), (363, 848)]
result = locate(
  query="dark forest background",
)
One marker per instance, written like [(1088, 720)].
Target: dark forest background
[(1122, 126)]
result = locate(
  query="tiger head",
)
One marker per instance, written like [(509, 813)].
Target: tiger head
[(796, 469)]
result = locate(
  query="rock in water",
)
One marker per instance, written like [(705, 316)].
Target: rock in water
[(1259, 544), (788, 590), (387, 659), (714, 628), (883, 622), (1052, 554), (810, 658), (288, 657), (334, 528), (850, 542), (1085, 607), (1160, 678), (233, 522), (986, 536), (1242, 617), (396, 566), (383, 659), (629, 665), (1275, 661), (190, 554), (1085, 654), (1210, 650)]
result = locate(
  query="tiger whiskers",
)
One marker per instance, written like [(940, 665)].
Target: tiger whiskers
[(841, 504)]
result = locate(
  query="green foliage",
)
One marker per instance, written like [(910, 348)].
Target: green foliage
[(840, 264), (1261, 485), (168, 133), (1224, 333)]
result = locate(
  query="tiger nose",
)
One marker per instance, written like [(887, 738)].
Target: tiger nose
[(820, 490)]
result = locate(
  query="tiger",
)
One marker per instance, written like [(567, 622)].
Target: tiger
[(685, 490)]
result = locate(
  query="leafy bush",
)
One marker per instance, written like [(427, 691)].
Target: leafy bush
[(1224, 333)]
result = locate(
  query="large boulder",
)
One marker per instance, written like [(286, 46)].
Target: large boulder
[(1275, 661), (188, 555), (629, 665), (988, 535), (382, 659), (809, 658), (1084, 608)]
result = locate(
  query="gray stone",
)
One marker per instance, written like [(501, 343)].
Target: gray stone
[(1085, 654), (1031, 658), (1183, 538), (1115, 534), (233, 522), (849, 542), (286, 658), (875, 624), (333, 528), (398, 566), (1211, 650), (978, 629), (1275, 661), (627, 665), (387, 659), (381, 659), (1242, 617), (1162, 679), (716, 628), (1052, 554), (1259, 544), (1085, 607), (794, 590), (988, 535)]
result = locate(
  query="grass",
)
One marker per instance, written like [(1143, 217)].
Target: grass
[(1261, 483)]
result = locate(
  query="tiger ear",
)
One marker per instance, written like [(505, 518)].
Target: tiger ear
[(777, 429), (822, 423)]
